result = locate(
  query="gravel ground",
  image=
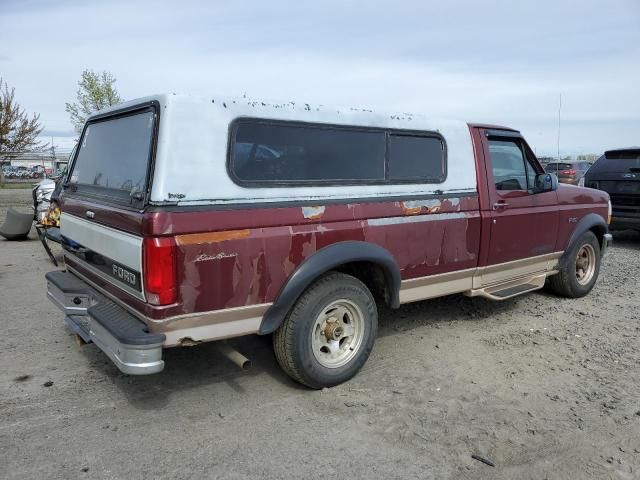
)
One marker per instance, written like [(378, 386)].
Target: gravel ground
[(540, 386)]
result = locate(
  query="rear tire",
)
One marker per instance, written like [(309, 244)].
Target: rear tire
[(579, 272), (329, 333)]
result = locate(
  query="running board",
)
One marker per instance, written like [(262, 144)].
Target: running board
[(512, 288)]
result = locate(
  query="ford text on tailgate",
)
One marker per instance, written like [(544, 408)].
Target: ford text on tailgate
[(187, 220)]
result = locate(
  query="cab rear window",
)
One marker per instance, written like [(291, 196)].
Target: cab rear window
[(113, 157)]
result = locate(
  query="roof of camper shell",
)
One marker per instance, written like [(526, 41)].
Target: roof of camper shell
[(191, 155)]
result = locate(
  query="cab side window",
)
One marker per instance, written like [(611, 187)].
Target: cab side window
[(512, 170), (531, 173), (509, 171)]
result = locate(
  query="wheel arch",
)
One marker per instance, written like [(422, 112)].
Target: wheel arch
[(591, 222), (341, 256)]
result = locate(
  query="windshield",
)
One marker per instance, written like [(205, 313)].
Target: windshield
[(113, 156)]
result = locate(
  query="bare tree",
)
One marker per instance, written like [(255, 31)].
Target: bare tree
[(97, 91), (18, 132)]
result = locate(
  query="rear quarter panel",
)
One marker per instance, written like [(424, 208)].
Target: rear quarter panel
[(233, 258)]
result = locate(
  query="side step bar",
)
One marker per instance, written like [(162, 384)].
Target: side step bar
[(512, 288)]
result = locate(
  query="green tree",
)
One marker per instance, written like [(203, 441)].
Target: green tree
[(18, 132), (97, 91)]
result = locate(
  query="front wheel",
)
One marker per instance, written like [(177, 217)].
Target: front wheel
[(328, 335), (580, 270)]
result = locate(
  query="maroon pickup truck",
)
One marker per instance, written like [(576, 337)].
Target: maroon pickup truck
[(186, 220)]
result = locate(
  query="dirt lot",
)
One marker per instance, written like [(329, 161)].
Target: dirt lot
[(19, 198), (540, 386)]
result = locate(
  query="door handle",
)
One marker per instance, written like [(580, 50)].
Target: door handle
[(500, 204)]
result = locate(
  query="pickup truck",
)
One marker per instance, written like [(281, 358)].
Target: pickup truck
[(188, 219)]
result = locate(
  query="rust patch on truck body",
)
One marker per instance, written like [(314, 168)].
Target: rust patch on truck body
[(416, 207), (210, 237), (313, 213)]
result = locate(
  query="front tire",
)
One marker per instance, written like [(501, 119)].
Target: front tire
[(580, 270), (329, 333)]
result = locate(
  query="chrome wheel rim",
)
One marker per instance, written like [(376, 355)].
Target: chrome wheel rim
[(337, 333), (585, 264)]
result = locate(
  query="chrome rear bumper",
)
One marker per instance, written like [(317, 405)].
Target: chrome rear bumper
[(120, 335)]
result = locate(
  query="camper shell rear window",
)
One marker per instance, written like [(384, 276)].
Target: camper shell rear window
[(113, 157), (272, 153)]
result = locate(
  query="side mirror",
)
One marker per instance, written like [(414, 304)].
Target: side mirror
[(546, 182)]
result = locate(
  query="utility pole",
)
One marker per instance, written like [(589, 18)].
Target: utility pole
[(53, 157), (559, 109)]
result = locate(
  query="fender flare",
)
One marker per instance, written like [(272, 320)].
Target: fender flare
[(586, 223), (322, 261)]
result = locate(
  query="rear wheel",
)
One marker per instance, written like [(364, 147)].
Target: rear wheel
[(580, 270), (328, 335)]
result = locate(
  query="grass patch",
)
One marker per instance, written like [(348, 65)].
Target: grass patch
[(10, 186)]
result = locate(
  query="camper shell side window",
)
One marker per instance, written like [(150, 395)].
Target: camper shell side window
[(272, 153)]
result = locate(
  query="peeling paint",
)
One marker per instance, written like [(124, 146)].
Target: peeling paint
[(188, 342), (375, 222), (414, 207), (210, 237), (313, 213)]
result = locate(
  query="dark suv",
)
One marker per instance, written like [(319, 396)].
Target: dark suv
[(617, 172)]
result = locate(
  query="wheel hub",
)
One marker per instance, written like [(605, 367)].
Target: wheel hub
[(333, 331), (585, 264), (338, 333)]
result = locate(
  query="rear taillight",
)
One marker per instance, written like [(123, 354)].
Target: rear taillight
[(568, 172), (159, 270)]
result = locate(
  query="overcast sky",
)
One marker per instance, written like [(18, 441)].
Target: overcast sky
[(502, 62)]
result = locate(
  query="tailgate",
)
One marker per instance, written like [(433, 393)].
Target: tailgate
[(111, 254)]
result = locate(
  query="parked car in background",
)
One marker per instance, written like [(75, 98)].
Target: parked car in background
[(617, 172), (568, 172), (41, 194), (58, 172), (186, 220)]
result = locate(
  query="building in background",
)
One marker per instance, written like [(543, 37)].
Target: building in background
[(52, 159)]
